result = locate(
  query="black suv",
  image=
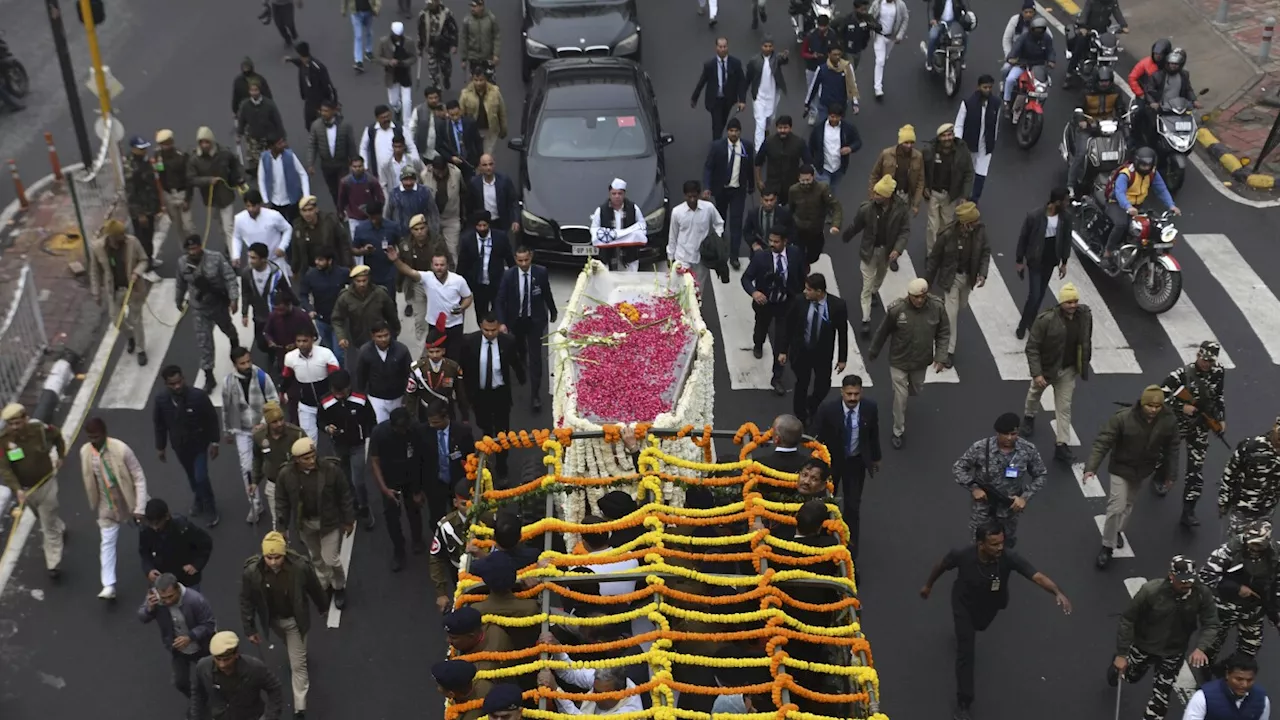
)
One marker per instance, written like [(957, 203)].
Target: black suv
[(589, 120), (577, 28)]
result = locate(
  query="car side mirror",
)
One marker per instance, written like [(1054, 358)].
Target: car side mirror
[(666, 139), (516, 143)]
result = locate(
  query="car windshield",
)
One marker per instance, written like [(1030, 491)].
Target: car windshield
[(593, 135)]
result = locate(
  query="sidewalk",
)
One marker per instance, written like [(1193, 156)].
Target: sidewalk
[(47, 236)]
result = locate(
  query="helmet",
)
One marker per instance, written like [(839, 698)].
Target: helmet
[(1106, 74), (1039, 23), (969, 20), (1177, 56), (1160, 48), (1144, 160)]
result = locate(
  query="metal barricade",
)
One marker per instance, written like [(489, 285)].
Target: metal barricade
[(98, 191), (22, 337)]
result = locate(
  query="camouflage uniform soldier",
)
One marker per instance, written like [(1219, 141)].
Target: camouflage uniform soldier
[(1250, 488), (447, 546), (437, 40), (1193, 392), (1002, 473), (1245, 573), (215, 294)]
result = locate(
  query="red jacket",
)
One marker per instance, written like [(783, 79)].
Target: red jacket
[(1145, 67)]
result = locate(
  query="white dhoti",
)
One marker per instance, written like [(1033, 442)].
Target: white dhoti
[(382, 408), (762, 109)]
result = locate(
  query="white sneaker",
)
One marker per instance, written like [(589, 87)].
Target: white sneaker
[(108, 593)]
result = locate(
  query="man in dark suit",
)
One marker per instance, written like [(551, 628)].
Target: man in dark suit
[(459, 139), (488, 188), (726, 87), (773, 278), (483, 255), (728, 177), (336, 164), (1043, 244), (850, 428), (489, 367), (787, 455), (762, 219), (817, 329), (832, 169), (525, 308), (314, 84), (445, 451)]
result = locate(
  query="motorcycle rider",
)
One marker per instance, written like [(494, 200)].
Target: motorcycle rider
[(1162, 86), (1130, 185), (1017, 25), (1034, 47), (941, 14), (1101, 102), (1095, 16), (1148, 65)]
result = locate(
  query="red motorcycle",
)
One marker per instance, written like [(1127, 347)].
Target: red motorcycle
[(1026, 112)]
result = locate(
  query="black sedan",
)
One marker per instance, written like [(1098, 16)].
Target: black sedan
[(576, 28), (589, 120)]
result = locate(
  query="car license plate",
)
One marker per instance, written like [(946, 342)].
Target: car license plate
[(1183, 126), (585, 250), (1110, 155)]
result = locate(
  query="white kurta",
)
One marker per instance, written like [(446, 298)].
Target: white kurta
[(689, 227), (269, 228), (766, 101), (982, 160)]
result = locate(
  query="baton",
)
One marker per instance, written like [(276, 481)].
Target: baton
[(1119, 686), (419, 66)]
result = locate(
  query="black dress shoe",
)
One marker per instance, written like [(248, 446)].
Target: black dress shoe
[(1103, 559), (1028, 427), (1119, 541), (130, 346), (735, 263), (340, 599), (866, 329), (1062, 453), (764, 16), (897, 442), (1022, 332), (758, 351), (142, 359), (779, 388), (213, 521), (397, 563), (536, 405), (55, 573)]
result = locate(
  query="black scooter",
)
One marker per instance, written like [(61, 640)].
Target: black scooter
[(13, 75)]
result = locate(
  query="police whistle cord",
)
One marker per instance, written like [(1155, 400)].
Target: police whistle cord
[(97, 384), (1216, 433)]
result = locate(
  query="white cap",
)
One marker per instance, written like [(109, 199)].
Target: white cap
[(618, 184), (397, 28)]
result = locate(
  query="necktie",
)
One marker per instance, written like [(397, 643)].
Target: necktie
[(488, 364), (442, 193), (525, 305), (848, 432), (766, 224), (442, 456), (484, 261), (723, 77), (457, 136), (777, 267), (815, 324)]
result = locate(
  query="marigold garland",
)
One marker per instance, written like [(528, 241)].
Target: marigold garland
[(777, 561)]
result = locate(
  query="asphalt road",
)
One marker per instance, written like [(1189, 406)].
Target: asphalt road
[(62, 653)]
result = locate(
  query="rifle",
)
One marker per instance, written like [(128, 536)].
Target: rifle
[(996, 499)]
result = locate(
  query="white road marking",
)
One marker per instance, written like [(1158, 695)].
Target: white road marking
[(737, 318), (344, 554), (998, 317), (130, 385), (1111, 351), (1124, 552), (222, 365), (1186, 685), (895, 288), (1091, 488), (1187, 328), (1251, 295), (853, 362), (1046, 402)]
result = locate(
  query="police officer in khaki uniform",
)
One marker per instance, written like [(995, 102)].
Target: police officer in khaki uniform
[(457, 681), (918, 334), (31, 474), (448, 544), (416, 250), (316, 495), (436, 379), (271, 448)]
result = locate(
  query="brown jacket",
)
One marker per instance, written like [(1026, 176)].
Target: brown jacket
[(887, 164), (135, 258), (494, 107), (943, 265)]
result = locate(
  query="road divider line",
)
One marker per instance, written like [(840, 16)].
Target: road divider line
[(853, 363), (1186, 685), (998, 317), (1091, 487), (1124, 552), (1111, 352), (895, 288), (1246, 289)]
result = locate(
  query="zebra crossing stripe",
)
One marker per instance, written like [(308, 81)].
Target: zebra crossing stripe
[(1185, 686), (1111, 352), (1091, 488), (998, 317), (1245, 288), (129, 386), (734, 307), (853, 363), (895, 288), (1187, 328)]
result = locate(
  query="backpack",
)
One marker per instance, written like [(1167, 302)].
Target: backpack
[(1127, 168)]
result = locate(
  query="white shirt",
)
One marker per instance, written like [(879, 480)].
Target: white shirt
[(948, 12), (767, 84), (445, 296), (629, 704), (856, 412), (888, 12), (310, 369), (487, 346), (689, 227), (637, 234), (382, 144), (981, 161), (490, 190), (269, 228), (1051, 226), (391, 167), (831, 148), (526, 291), (617, 587), (260, 277), (773, 263), (331, 133), (1196, 707), (279, 195), (736, 151), (484, 245)]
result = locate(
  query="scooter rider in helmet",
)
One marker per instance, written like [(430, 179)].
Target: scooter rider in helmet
[(1160, 87), (1035, 47), (1131, 185), (1148, 65), (1096, 15), (1101, 102)]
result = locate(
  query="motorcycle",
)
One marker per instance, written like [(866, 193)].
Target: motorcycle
[(948, 56), (805, 14), (1104, 153), (13, 75), (1027, 110), (1144, 258), (1104, 51)]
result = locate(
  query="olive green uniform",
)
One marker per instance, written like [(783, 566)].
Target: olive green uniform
[(26, 468), (270, 454)]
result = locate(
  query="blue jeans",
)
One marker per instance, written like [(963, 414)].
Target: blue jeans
[(329, 339), (831, 179), (1011, 81), (935, 34), (195, 461), (362, 29)]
